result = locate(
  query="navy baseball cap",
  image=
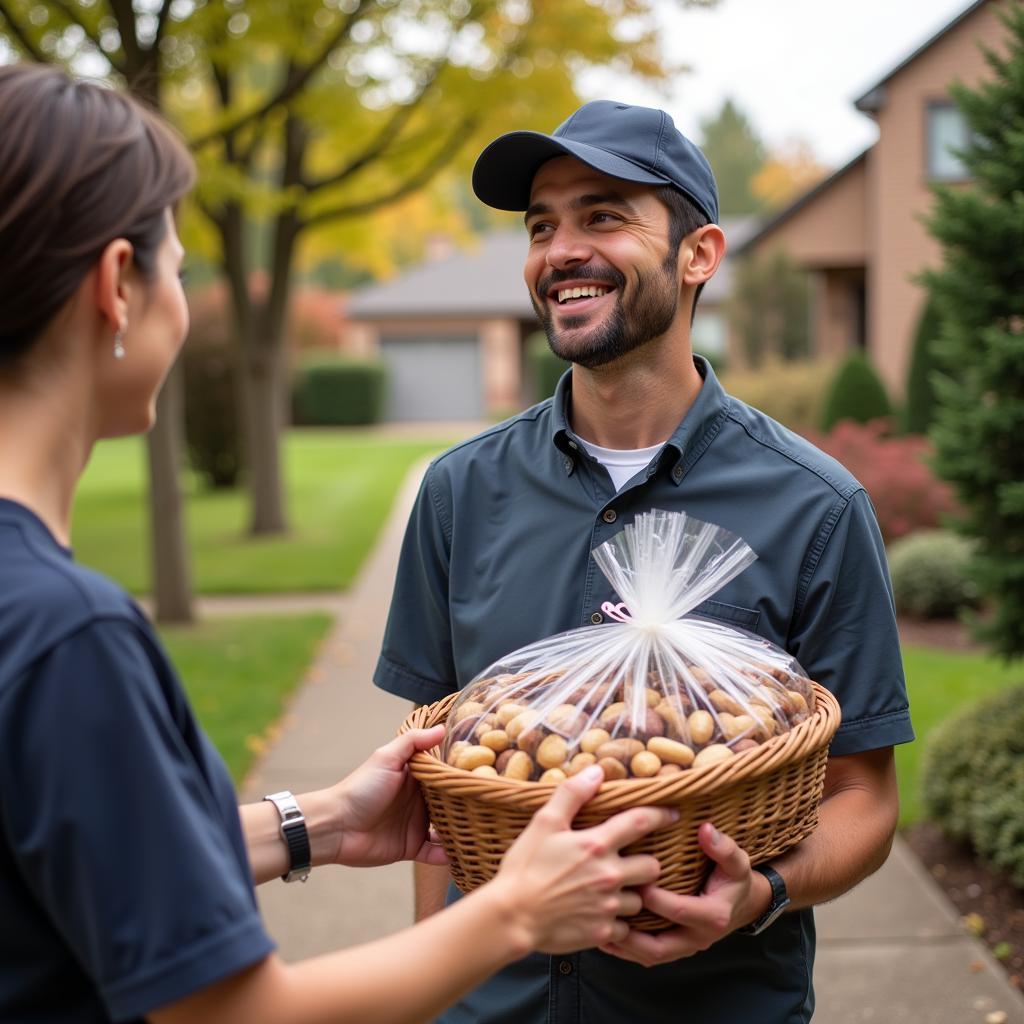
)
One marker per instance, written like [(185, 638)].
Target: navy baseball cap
[(634, 143)]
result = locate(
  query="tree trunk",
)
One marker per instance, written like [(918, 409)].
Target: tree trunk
[(172, 582), (263, 401), (171, 574)]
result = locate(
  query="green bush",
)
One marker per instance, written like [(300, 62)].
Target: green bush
[(545, 366), (788, 392), (930, 574), (855, 394), (973, 779), (339, 392), (919, 410)]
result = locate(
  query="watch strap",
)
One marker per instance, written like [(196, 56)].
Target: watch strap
[(295, 835), (780, 900)]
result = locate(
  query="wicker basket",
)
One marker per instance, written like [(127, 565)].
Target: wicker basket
[(766, 799)]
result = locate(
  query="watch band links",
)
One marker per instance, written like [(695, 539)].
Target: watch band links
[(295, 835)]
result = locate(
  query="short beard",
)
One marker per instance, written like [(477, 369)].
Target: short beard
[(649, 315)]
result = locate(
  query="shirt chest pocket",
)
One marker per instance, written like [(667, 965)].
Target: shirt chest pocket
[(730, 614)]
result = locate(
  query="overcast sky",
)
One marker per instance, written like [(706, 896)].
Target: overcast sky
[(794, 66)]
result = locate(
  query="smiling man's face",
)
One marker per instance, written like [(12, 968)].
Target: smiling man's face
[(600, 273)]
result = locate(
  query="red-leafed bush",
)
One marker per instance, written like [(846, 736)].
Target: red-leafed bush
[(894, 471)]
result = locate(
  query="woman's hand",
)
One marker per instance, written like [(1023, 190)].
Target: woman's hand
[(381, 817), (567, 888)]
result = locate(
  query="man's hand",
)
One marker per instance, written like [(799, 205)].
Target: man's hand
[(381, 815), (732, 897)]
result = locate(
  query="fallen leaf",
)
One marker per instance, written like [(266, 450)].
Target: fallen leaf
[(973, 923)]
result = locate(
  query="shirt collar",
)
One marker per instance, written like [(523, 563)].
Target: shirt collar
[(697, 430)]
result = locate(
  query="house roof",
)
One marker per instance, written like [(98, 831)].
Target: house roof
[(873, 99), (487, 281), (483, 281), (799, 204)]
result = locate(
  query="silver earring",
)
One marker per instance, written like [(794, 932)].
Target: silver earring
[(119, 343)]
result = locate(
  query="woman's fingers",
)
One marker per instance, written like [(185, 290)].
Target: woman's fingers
[(639, 869), (628, 826)]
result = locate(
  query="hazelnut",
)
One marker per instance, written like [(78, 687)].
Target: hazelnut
[(496, 739), (645, 765), (592, 739), (553, 775), (581, 761), (552, 751)]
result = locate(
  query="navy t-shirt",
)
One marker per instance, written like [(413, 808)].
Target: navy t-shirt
[(124, 879)]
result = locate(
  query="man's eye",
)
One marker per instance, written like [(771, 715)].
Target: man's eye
[(603, 217), (539, 229)]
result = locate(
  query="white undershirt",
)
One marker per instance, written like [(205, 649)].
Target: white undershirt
[(622, 466)]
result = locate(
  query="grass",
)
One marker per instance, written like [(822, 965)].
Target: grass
[(340, 486), (939, 683), (238, 673)]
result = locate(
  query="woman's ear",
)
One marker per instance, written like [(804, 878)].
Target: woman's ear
[(113, 283), (702, 253)]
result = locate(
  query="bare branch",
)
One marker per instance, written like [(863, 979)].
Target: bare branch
[(21, 37), (294, 82), (124, 15), (161, 22), (385, 137), (450, 146), (74, 17)]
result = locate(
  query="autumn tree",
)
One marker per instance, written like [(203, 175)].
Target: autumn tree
[(787, 173), (307, 114)]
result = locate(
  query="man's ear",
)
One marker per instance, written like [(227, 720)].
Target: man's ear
[(701, 254), (114, 282)]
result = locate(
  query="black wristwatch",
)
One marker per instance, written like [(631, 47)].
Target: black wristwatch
[(780, 900), (295, 835)]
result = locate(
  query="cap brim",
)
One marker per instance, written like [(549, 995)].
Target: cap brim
[(504, 171)]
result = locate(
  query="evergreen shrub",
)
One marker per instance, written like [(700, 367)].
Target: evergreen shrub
[(930, 577), (545, 367), (339, 392), (856, 393), (973, 779), (920, 408)]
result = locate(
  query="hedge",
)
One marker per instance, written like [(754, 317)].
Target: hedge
[(339, 392)]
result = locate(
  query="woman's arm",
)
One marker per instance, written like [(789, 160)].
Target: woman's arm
[(558, 889)]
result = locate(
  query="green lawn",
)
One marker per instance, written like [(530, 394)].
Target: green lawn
[(939, 683), (340, 486), (238, 673)]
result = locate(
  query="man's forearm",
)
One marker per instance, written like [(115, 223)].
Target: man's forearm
[(431, 885), (857, 821)]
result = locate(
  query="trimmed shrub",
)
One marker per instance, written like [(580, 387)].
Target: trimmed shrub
[(855, 394), (896, 474), (919, 410), (930, 574), (791, 393), (339, 392), (973, 780), (545, 367)]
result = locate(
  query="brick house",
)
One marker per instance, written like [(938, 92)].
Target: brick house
[(859, 232)]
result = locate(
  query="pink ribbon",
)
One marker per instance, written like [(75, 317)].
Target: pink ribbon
[(619, 612)]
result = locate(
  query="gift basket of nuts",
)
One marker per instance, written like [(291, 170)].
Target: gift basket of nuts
[(677, 710)]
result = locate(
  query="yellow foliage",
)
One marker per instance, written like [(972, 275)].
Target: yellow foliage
[(787, 174)]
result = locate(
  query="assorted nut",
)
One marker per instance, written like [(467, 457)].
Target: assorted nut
[(497, 733)]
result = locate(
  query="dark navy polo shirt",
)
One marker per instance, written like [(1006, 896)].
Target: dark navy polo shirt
[(124, 878), (497, 555)]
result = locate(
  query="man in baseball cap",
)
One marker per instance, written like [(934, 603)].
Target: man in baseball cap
[(620, 211)]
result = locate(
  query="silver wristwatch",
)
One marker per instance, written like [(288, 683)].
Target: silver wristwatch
[(295, 835)]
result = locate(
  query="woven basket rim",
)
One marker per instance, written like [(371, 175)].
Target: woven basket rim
[(804, 739)]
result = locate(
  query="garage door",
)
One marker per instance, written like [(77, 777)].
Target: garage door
[(432, 377)]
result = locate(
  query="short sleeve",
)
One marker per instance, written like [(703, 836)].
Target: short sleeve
[(416, 657), (116, 829), (845, 634)]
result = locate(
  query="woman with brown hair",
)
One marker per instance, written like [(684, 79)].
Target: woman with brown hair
[(126, 868)]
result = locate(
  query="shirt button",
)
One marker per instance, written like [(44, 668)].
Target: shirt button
[(564, 967), (568, 465), (573, 445), (677, 473), (610, 515), (597, 618)]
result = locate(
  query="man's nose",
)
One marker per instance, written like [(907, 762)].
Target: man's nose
[(567, 248)]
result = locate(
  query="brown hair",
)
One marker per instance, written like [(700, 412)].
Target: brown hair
[(80, 165)]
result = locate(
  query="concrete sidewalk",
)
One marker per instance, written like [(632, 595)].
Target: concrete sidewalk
[(890, 951)]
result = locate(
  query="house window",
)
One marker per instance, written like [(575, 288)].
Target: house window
[(947, 132)]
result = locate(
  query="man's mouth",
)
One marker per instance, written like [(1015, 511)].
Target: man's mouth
[(578, 295)]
